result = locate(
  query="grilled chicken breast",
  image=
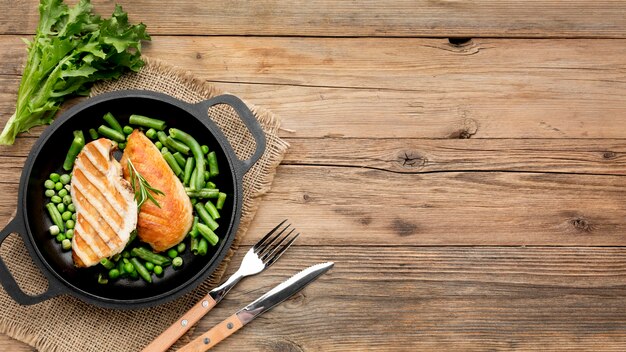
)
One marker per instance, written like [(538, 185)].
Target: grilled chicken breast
[(106, 210), (166, 226)]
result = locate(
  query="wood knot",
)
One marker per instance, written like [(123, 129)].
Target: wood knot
[(460, 41), (306, 197), (410, 159), (284, 345), (198, 56), (296, 300), (581, 224), (468, 128), (403, 228), (608, 155)]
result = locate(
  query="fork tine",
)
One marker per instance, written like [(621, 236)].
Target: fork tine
[(263, 249), (281, 251), (268, 251), (258, 244)]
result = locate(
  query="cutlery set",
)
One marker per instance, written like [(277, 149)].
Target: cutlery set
[(258, 258)]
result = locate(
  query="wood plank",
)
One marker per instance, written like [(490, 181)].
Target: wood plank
[(439, 299), (405, 18), (345, 87), (354, 205)]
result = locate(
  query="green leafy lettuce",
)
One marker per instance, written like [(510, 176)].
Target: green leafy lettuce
[(72, 48)]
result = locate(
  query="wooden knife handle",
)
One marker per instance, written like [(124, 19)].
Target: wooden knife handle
[(214, 336), (180, 326)]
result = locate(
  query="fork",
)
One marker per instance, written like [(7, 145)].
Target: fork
[(258, 258)]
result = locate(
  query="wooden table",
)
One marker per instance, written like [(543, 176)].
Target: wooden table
[(463, 163)]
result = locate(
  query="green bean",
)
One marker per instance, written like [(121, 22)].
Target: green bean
[(66, 215), (213, 168), (67, 200), (71, 207), (171, 161), (111, 134), (204, 216), (131, 238), (62, 192), (107, 263), (69, 234), (149, 266), (205, 149), (77, 145), (55, 177), (181, 247), (66, 244), (93, 134), (151, 133), (194, 245), (221, 198), (58, 186), (49, 184), (149, 256), (194, 201), (197, 153), (209, 235), (61, 208), (102, 280), (112, 121), (210, 185), (210, 207), (202, 246), (177, 262), (194, 229), (60, 237), (120, 268), (50, 193), (192, 180), (127, 130), (189, 165), (180, 159), (141, 270), (147, 122), (164, 150), (178, 146), (70, 224), (125, 254), (162, 138), (65, 179), (158, 144), (114, 274), (55, 216), (207, 175), (54, 230), (158, 270), (202, 193)]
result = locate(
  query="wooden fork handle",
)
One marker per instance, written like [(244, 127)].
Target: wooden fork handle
[(212, 337), (181, 326)]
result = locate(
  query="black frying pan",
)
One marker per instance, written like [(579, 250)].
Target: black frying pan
[(32, 222)]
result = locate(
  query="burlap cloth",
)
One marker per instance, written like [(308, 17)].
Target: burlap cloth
[(66, 324)]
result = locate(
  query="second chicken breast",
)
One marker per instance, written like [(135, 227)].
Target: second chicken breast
[(165, 226)]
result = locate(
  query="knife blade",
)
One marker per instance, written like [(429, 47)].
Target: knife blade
[(261, 305)]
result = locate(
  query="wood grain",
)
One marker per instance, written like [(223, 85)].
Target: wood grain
[(404, 18), (404, 88), (438, 299)]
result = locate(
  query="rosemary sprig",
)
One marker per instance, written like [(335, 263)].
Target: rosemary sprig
[(143, 192)]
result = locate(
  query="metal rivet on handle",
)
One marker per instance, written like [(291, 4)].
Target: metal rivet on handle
[(205, 304), (184, 322), (207, 341), (229, 325)]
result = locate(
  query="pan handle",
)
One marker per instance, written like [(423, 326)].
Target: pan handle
[(248, 119), (16, 225)]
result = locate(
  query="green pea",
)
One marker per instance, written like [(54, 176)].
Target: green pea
[(70, 224), (69, 233), (49, 184), (172, 253), (54, 177), (74, 217), (66, 215), (127, 129), (58, 186), (66, 244), (71, 207), (61, 207), (50, 193), (67, 199), (159, 145), (158, 270), (149, 266), (65, 179), (181, 247), (177, 262), (205, 149), (55, 199), (129, 268), (54, 230), (121, 145), (60, 237), (62, 193), (114, 274)]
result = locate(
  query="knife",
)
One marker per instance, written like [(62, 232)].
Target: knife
[(264, 303)]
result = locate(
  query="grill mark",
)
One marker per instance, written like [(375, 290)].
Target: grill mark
[(82, 249), (96, 221), (113, 242), (89, 166), (85, 186)]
